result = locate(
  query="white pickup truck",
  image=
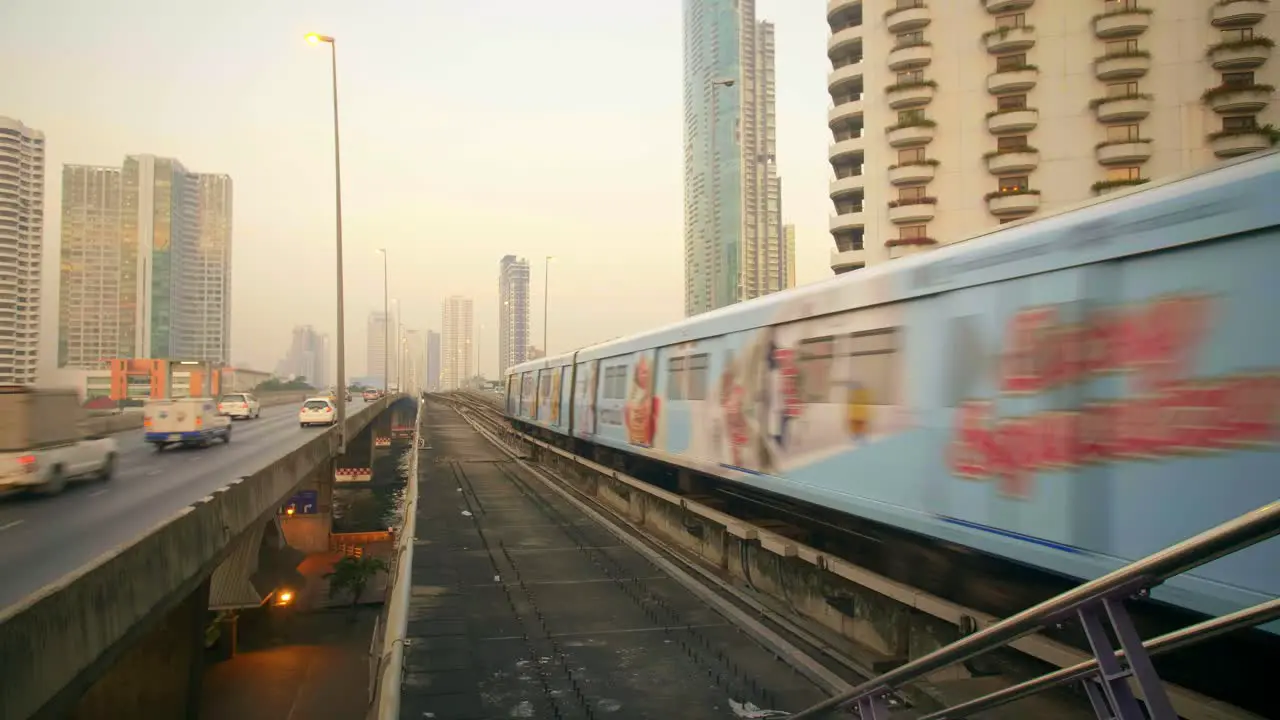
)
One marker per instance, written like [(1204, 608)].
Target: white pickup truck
[(42, 445), (192, 422)]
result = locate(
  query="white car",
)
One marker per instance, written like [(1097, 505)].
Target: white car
[(318, 411), (47, 469), (239, 405)]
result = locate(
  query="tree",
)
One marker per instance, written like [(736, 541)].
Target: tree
[(278, 385), (352, 574)]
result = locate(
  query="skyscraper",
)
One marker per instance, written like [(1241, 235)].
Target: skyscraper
[(206, 272), (513, 311), (433, 361), (732, 229), (789, 252), (414, 359), (456, 345), (146, 263), (21, 245), (376, 355), (308, 356)]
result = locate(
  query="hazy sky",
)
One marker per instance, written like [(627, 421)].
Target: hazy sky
[(470, 129)]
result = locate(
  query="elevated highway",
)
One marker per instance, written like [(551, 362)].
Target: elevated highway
[(107, 587)]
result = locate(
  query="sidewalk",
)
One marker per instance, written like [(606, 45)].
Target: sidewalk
[(294, 666)]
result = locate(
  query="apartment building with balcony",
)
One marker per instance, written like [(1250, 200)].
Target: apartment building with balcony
[(950, 118), (21, 248)]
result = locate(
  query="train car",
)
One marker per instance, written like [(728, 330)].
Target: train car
[(1072, 393)]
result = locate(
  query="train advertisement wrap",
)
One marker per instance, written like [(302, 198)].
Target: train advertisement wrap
[(1074, 409)]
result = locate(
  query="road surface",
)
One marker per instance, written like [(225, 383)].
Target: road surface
[(44, 539)]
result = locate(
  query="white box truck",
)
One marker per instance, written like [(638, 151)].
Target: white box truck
[(191, 422), (43, 444)]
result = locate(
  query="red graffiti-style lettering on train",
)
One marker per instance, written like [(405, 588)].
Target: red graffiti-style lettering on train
[(1182, 418), (734, 418), (1156, 341)]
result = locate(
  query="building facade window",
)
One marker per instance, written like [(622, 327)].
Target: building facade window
[(1123, 133), (1014, 183)]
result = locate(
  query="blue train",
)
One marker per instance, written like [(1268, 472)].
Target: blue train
[(1072, 394)]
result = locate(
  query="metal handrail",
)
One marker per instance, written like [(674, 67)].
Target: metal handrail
[(1191, 635), (1248, 529)]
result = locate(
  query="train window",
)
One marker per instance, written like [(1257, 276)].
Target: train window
[(815, 369), (698, 368), (615, 382), (526, 391), (675, 378), (872, 365)]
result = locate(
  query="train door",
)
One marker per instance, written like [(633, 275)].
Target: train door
[(571, 390), (528, 398), (585, 392), (1005, 343), (557, 392)]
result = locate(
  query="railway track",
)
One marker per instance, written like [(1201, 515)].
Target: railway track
[(986, 582), (592, 609)]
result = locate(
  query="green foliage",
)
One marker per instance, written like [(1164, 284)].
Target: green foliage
[(278, 385), (352, 575)]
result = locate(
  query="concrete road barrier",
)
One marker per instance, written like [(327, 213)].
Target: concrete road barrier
[(110, 424)]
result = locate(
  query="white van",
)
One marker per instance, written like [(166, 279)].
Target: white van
[(192, 422)]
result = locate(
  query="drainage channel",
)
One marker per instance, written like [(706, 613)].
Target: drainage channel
[(526, 605)]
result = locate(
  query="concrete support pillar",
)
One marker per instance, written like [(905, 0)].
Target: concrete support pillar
[(160, 676), (309, 533)]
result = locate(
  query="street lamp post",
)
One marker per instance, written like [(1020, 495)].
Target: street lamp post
[(726, 264), (386, 325), (341, 398), (546, 300)]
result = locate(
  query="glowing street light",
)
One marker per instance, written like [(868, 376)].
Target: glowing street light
[(341, 399)]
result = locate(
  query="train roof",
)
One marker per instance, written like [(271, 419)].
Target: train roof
[(1142, 217)]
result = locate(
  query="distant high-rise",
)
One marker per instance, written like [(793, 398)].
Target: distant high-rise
[(146, 263), (732, 228), (21, 245), (376, 356), (513, 312), (415, 361), (206, 276), (789, 253), (433, 361), (456, 343), (308, 356)]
